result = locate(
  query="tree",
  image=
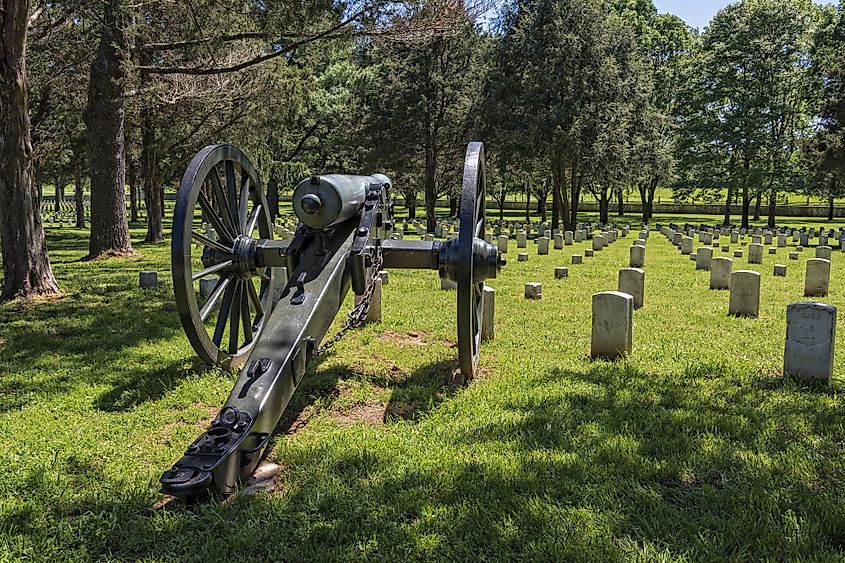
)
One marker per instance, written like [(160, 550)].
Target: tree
[(27, 270), (422, 113), (824, 152), (561, 88), (747, 110), (667, 43), (105, 115)]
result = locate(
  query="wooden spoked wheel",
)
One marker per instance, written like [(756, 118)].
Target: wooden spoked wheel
[(221, 296)]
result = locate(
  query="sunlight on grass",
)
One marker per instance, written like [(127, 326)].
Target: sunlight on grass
[(692, 448)]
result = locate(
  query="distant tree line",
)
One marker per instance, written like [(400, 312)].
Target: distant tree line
[(600, 97)]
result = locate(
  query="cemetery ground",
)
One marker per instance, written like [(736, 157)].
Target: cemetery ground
[(692, 448)]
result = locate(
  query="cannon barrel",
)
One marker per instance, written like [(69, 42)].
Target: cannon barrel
[(321, 202)]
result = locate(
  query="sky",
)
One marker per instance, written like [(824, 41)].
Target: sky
[(696, 13)]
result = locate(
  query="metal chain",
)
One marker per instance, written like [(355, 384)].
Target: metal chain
[(358, 315)]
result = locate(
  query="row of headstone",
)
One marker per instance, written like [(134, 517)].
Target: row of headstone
[(745, 297)]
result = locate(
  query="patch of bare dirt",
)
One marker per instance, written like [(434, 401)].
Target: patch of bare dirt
[(368, 413), (108, 255), (409, 339)]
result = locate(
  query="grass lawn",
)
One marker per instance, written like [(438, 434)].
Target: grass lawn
[(692, 449)]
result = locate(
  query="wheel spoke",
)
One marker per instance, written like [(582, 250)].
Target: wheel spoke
[(233, 196), (235, 316), (212, 216), (212, 270), (223, 315), (221, 286), (214, 244), (253, 220), (222, 203), (243, 204), (256, 301), (246, 320)]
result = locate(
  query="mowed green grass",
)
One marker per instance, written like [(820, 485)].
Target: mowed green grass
[(692, 449)]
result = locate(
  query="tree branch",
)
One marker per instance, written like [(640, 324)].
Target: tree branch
[(35, 15), (301, 143), (194, 42), (198, 70)]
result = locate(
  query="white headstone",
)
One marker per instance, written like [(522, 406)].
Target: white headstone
[(613, 325), (703, 258), (817, 281), (823, 252), (503, 244), (533, 290), (637, 258), (542, 246), (148, 279), (755, 253), (810, 337), (561, 272), (632, 282), (745, 294), (720, 273)]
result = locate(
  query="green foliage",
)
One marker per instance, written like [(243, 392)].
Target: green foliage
[(423, 109), (746, 99)]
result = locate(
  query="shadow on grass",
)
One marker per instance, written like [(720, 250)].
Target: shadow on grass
[(106, 336), (142, 385), (593, 465)]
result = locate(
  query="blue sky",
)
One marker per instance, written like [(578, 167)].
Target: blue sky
[(696, 13)]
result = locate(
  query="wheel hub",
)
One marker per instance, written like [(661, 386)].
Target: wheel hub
[(244, 257)]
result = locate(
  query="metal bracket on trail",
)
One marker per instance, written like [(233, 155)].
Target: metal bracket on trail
[(241, 319)]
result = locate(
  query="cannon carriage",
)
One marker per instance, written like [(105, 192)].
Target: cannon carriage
[(271, 331)]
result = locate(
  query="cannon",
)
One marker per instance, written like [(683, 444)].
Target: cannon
[(271, 331)]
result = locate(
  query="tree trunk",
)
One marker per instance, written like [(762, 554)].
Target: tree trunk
[(78, 191), (773, 201), (746, 207), (453, 206), (604, 208), (830, 208), (502, 209), (152, 178), (104, 119), (652, 189), (556, 194), (527, 204), (726, 221), (58, 196), (26, 266), (574, 198), (620, 203), (430, 189), (411, 204), (541, 208), (273, 198), (133, 191), (757, 206)]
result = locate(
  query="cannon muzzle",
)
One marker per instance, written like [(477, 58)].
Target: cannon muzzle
[(321, 202)]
